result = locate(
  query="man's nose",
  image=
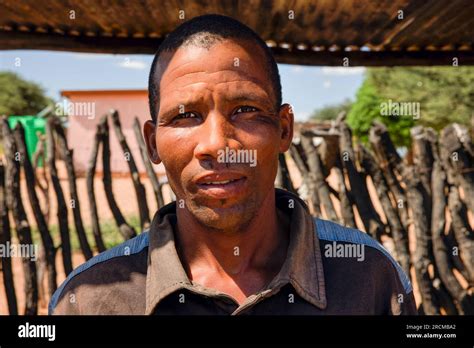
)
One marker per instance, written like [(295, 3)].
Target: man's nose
[(215, 134)]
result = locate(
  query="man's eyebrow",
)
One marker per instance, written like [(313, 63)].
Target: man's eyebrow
[(245, 96), (241, 96)]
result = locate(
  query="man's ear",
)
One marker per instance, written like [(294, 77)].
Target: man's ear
[(149, 131), (286, 122)]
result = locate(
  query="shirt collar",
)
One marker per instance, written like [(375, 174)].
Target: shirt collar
[(303, 267)]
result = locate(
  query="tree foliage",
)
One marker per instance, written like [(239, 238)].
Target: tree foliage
[(20, 97), (445, 95), (330, 112)]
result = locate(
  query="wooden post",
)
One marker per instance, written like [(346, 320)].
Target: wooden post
[(460, 156), (443, 261), (46, 239), (372, 222), (62, 212), (462, 230), (5, 238), (125, 229), (344, 196), (39, 154), (316, 177), (91, 194), (138, 186), (422, 257), (148, 166), (15, 205), (284, 174), (455, 152), (75, 203), (423, 157), (41, 263), (399, 234), (391, 164), (453, 246), (296, 154)]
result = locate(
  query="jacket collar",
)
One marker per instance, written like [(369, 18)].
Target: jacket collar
[(302, 268)]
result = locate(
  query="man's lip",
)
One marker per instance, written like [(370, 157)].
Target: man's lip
[(208, 178), (234, 188)]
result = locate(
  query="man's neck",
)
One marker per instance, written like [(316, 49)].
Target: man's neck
[(238, 263)]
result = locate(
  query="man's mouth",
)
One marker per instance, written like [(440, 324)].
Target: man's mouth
[(221, 185), (222, 182)]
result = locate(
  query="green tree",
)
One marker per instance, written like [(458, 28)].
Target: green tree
[(367, 108), (20, 97), (330, 112), (443, 94)]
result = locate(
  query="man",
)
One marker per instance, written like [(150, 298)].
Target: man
[(231, 243)]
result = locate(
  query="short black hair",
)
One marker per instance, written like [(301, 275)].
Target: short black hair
[(204, 31)]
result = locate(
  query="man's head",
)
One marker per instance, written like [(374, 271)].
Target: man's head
[(215, 102)]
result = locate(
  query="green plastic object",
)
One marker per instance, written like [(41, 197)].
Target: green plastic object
[(31, 124)]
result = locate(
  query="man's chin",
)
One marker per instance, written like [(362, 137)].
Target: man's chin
[(229, 219)]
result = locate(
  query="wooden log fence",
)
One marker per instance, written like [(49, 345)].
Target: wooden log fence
[(62, 212), (125, 229), (20, 220), (48, 245), (137, 185)]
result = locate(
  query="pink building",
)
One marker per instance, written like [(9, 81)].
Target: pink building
[(85, 109)]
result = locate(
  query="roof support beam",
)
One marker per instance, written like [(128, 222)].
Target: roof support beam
[(131, 45)]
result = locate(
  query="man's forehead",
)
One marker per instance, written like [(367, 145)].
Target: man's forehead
[(233, 57)]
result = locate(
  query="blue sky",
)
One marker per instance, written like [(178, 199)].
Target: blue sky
[(306, 88)]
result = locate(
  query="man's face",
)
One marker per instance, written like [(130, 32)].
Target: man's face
[(213, 103)]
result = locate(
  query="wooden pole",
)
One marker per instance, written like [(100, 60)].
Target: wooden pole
[(423, 157), (138, 186), (125, 229), (443, 261), (44, 189), (460, 156), (316, 177), (5, 238), (453, 246), (45, 235), (422, 257), (284, 174), (91, 194), (344, 196), (391, 164), (148, 166), (371, 220), (462, 230), (399, 234), (62, 212), (15, 205), (296, 154), (75, 203)]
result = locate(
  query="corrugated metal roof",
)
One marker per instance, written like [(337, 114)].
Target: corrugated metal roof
[(313, 32)]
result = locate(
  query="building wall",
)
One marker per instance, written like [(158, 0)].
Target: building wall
[(82, 126)]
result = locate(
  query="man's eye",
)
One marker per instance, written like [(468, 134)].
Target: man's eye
[(245, 108), (186, 115)]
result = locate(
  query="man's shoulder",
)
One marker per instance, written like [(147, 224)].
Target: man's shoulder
[(348, 245), (101, 274)]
